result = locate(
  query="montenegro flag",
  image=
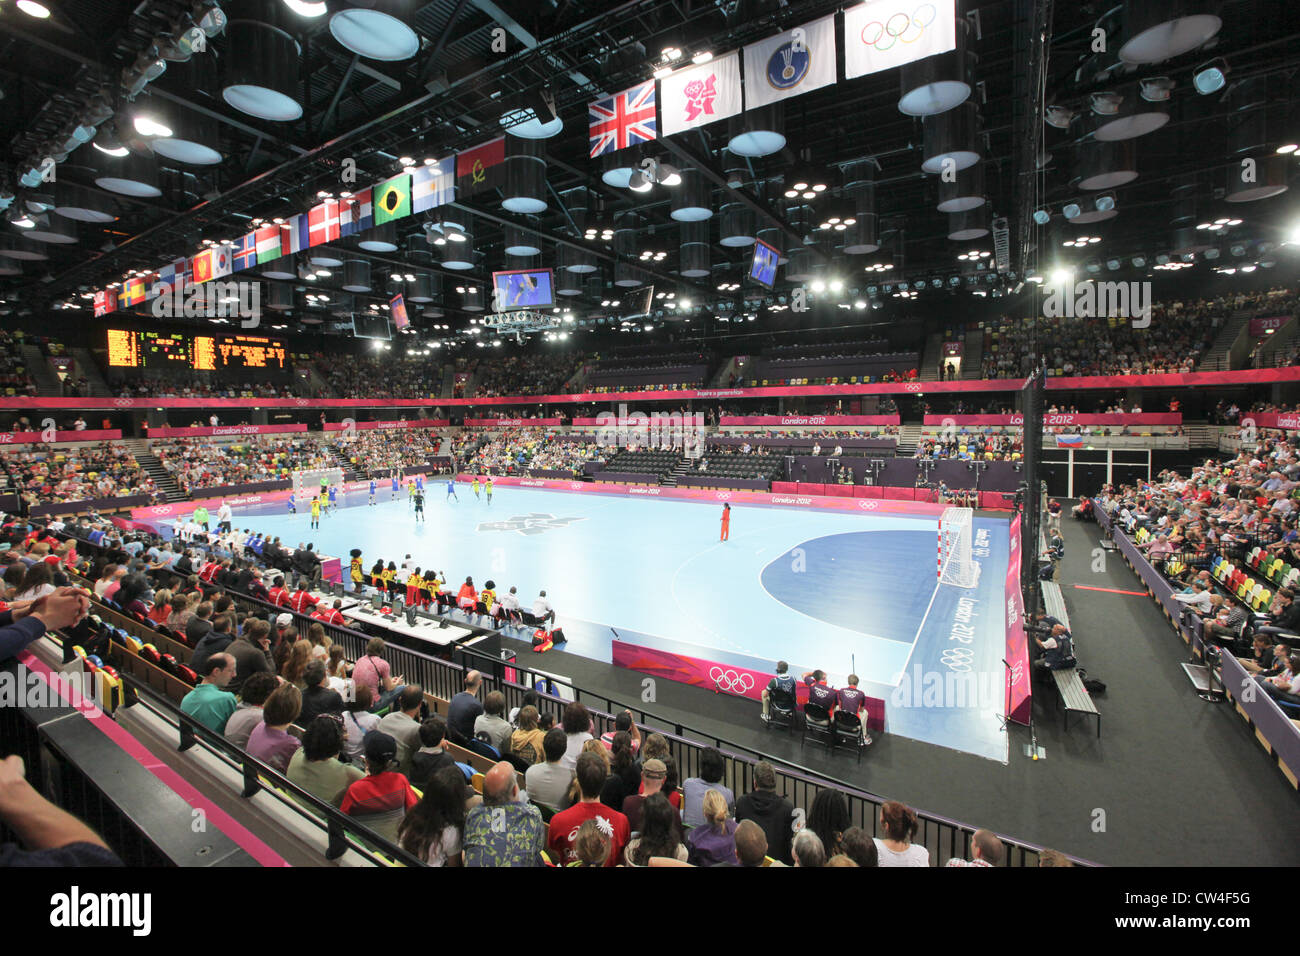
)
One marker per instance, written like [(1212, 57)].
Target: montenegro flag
[(202, 265), (393, 199)]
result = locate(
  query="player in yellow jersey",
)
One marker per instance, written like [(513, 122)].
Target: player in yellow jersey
[(474, 485), (315, 511), (488, 487)]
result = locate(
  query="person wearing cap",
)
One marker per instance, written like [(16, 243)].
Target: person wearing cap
[(257, 586), (653, 774), (380, 800)]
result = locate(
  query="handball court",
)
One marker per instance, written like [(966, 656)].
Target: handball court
[(843, 592)]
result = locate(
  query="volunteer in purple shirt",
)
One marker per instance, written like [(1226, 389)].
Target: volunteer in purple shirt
[(852, 701), (818, 691)]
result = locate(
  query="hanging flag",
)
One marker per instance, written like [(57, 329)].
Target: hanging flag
[(244, 250), (174, 274), (293, 234), (1069, 441), (778, 67), (211, 263), (431, 186), (393, 199), (882, 34), (360, 215), (699, 95), (105, 302), (222, 260), (135, 290), (268, 244), (323, 223), (481, 167), (622, 120)]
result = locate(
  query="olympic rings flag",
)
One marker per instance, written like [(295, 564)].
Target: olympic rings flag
[(778, 67), (883, 34)]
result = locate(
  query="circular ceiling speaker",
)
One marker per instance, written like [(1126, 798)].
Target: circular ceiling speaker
[(1155, 32), (1106, 165), (74, 202), (965, 226), (325, 256), (262, 71), (374, 34), (279, 296), (520, 243), (951, 136), (694, 255), (962, 192), (525, 188), (801, 266), (193, 140), (1094, 215), (1256, 178), (757, 132), (862, 238), (356, 275), (1126, 115), (382, 238), (936, 84), (130, 175), (425, 288), (736, 226), (525, 124), (690, 198), (16, 247), (57, 230), (625, 276), (282, 268)]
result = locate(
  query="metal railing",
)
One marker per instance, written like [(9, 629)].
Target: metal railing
[(445, 678)]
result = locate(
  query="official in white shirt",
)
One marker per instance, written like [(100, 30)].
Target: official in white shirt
[(542, 609)]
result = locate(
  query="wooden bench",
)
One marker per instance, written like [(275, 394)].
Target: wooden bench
[(1074, 698)]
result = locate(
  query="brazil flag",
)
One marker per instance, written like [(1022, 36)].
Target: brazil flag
[(393, 199)]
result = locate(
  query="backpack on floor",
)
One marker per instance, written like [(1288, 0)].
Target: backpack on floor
[(1091, 684), (542, 641)]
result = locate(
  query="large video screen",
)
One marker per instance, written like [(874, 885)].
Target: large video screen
[(371, 325), (763, 270), (523, 289)]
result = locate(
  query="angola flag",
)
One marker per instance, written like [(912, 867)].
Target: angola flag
[(393, 199), (482, 167)]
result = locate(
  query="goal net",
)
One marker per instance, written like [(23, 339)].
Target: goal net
[(955, 565), (307, 483)]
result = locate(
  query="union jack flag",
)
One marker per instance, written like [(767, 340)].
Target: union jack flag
[(622, 120)]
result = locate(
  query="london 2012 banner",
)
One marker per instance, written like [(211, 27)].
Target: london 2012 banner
[(883, 34), (699, 95)]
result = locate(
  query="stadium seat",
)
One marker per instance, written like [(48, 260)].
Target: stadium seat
[(848, 730)]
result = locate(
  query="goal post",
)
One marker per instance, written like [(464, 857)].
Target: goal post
[(955, 565), (306, 483)]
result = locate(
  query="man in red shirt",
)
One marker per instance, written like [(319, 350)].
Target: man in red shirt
[(330, 615), (301, 600), (209, 571), (565, 825), (382, 798), (278, 595)]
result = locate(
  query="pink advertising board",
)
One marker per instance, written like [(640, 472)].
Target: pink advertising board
[(223, 431), (31, 438), (715, 676), (1289, 421), (513, 422), (365, 426), (1057, 419), (1170, 380), (1019, 692), (808, 421)]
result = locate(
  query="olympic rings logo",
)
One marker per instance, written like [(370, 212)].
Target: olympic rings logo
[(957, 658), (123, 402), (868, 504), (1016, 674), (899, 28), (723, 495), (913, 387), (731, 681), (300, 401), (161, 510)]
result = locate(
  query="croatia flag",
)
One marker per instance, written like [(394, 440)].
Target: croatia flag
[(323, 223), (622, 120), (356, 214), (244, 250)]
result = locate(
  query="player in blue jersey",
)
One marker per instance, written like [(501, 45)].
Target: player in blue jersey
[(396, 483), (372, 491), (333, 499), (451, 489), (293, 503), (419, 482)]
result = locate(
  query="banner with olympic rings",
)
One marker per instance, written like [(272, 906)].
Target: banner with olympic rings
[(883, 34)]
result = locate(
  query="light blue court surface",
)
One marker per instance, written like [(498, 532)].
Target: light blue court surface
[(831, 590)]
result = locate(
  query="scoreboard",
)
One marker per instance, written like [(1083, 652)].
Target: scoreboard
[(202, 353)]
